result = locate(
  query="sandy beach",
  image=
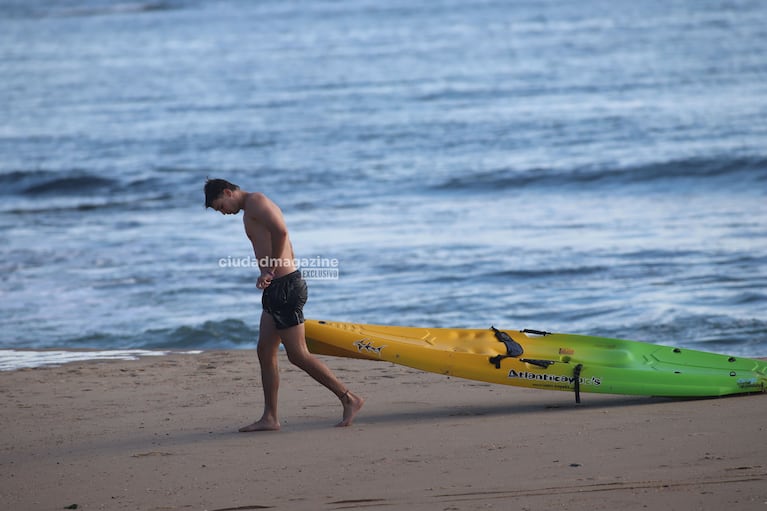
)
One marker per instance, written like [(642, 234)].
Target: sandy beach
[(160, 433)]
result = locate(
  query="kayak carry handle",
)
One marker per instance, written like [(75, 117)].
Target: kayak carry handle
[(543, 333), (577, 376), (537, 362)]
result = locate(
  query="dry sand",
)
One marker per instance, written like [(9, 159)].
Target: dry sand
[(161, 434)]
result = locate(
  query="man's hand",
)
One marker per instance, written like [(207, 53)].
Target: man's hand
[(265, 279)]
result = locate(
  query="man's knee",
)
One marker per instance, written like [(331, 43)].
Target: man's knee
[(298, 357), (294, 358), (267, 350)]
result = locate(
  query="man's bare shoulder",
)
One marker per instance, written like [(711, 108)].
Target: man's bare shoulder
[(256, 202), (259, 207), (255, 198)]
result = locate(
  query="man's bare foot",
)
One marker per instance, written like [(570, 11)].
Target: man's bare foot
[(261, 425), (352, 405)]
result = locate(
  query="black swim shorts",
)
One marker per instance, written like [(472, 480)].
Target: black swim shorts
[(284, 299)]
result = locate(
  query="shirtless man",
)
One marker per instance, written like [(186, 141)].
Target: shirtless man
[(284, 295)]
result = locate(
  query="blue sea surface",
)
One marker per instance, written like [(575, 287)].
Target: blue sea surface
[(587, 167)]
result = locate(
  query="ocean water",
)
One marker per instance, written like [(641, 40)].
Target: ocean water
[(588, 167)]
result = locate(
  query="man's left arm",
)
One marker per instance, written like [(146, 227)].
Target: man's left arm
[(266, 212)]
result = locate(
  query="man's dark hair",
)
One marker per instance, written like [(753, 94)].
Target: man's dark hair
[(214, 188)]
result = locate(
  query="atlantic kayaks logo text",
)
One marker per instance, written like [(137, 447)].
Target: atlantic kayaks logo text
[(527, 375)]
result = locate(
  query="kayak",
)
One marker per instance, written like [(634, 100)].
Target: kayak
[(543, 360)]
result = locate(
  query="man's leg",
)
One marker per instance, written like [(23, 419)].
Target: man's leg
[(268, 347), (295, 345)]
